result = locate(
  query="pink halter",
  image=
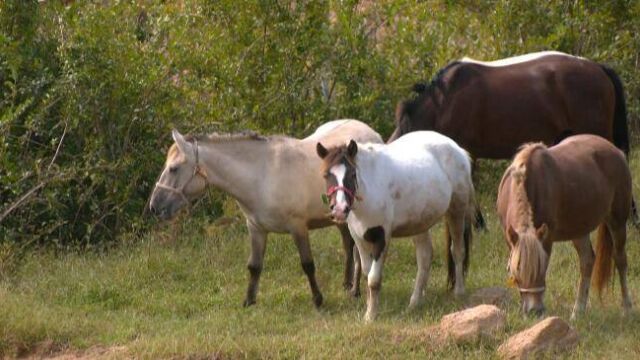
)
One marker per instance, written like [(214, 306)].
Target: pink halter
[(335, 188)]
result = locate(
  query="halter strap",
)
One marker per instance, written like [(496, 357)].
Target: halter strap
[(532, 290), (336, 188), (196, 171)]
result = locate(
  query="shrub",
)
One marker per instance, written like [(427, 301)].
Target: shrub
[(90, 91)]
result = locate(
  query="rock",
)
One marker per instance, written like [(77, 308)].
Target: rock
[(470, 324), (550, 334), (492, 295)]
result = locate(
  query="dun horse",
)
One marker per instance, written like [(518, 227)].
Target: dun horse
[(563, 193), (275, 181), (402, 189), (491, 108)]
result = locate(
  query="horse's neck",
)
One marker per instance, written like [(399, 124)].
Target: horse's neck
[(237, 167), (370, 173)]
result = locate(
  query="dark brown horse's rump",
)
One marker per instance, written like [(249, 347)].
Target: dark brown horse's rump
[(491, 110)]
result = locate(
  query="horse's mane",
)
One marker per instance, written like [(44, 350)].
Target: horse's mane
[(423, 90), (243, 135), (528, 257), (436, 81)]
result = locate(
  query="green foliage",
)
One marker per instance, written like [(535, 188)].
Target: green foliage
[(90, 90)]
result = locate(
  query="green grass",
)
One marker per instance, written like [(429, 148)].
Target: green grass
[(183, 299)]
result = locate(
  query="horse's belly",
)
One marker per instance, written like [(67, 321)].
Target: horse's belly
[(410, 229), (416, 219)]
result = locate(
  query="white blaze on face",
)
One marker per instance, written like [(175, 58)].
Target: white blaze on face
[(339, 171)]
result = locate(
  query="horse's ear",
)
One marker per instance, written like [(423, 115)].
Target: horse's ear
[(321, 150), (183, 144), (513, 235), (352, 149), (542, 232)]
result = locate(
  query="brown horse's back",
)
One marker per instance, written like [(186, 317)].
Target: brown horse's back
[(577, 184), (492, 110)]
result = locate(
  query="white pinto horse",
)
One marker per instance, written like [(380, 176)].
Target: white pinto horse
[(275, 181), (402, 189)]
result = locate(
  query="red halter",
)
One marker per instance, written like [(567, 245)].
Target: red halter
[(335, 188)]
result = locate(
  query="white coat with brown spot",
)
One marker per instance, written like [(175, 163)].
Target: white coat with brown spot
[(402, 189)]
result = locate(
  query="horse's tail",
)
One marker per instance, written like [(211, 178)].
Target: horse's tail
[(620, 126), (603, 265), (467, 236)]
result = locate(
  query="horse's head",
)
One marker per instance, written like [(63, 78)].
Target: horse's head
[(339, 171), (416, 114), (527, 265), (181, 179)]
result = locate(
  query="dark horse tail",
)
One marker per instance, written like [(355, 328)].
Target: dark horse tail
[(621, 128)]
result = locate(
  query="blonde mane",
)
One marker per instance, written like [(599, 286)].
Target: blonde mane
[(528, 257)]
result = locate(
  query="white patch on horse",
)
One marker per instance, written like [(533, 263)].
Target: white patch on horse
[(375, 274), (339, 171), (516, 59)]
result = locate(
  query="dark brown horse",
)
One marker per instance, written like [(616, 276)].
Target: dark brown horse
[(563, 193), (491, 108)]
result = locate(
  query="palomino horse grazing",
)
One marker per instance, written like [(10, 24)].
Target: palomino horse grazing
[(491, 108), (275, 180), (402, 189), (563, 193)]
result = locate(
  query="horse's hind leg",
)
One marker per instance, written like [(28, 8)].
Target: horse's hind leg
[(587, 257), (480, 224), (424, 252), (256, 259), (301, 239), (352, 268), (619, 235), (455, 227)]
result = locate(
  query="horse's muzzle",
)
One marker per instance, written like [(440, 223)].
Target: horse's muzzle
[(340, 216), (162, 213)]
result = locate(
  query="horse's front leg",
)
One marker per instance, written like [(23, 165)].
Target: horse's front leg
[(357, 273), (377, 238), (424, 252), (585, 252), (256, 258), (352, 268), (301, 238)]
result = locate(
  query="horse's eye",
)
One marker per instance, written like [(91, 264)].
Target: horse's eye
[(173, 169), (325, 175)]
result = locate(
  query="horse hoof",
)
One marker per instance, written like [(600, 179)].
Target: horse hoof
[(248, 302), (317, 300), (369, 317), (355, 293), (414, 303), (347, 286), (458, 293)]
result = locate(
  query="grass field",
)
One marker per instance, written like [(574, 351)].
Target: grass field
[(155, 298)]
